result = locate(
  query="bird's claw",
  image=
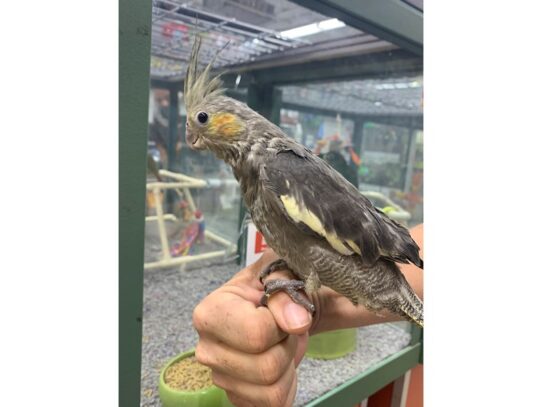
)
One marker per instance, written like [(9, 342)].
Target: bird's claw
[(279, 264), (290, 287)]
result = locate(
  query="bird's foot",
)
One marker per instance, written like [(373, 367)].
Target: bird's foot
[(290, 287), (279, 264)]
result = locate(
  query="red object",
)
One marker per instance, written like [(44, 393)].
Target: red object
[(382, 398), (260, 243), (169, 29), (415, 390), (187, 240), (355, 158), (197, 214)]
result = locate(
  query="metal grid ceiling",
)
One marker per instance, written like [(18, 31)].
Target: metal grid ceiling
[(252, 28)]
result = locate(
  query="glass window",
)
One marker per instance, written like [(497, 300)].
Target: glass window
[(367, 126), (198, 195), (411, 198), (370, 131), (327, 136), (384, 154)]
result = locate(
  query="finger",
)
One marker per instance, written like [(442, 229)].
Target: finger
[(292, 393), (274, 395), (238, 323), (238, 401), (250, 276), (289, 316), (302, 343), (265, 368), (265, 259)]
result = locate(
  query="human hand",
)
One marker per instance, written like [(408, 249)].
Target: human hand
[(253, 351)]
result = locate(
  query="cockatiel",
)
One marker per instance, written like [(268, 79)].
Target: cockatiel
[(325, 231)]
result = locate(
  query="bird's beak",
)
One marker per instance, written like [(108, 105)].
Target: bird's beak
[(192, 140)]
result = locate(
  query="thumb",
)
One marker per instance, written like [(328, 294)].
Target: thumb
[(292, 318)]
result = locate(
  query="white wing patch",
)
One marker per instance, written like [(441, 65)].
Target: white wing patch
[(303, 215)]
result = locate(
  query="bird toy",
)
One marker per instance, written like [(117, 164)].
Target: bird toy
[(193, 233)]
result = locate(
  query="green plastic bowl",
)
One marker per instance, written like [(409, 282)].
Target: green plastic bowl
[(332, 344), (209, 397)]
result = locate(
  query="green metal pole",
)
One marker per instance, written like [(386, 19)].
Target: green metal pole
[(266, 99), (173, 119), (370, 381), (410, 155), (182, 153), (134, 62), (358, 135), (395, 21)]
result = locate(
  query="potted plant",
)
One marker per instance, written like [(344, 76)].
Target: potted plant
[(186, 383)]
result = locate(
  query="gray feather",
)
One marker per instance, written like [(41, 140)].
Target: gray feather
[(268, 164)]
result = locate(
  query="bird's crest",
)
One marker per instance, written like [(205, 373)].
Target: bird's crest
[(198, 86)]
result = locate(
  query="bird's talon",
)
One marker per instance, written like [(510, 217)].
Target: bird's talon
[(290, 287), (264, 300), (276, 265)]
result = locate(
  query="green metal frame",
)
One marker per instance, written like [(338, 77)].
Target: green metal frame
[(390, 20), (373, 379), (173, 120), (384, 64), (266, 99), (134, 62), (415, 121), (377, 376)]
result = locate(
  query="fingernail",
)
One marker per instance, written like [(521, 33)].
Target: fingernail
[(296, 316)]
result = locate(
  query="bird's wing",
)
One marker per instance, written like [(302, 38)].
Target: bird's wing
[(319, 200)]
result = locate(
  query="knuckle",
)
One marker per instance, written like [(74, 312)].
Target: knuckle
[(217, 380), (202, 354), (276, 396), (237, 400), (199, 316), (270, 368), (256, 335)]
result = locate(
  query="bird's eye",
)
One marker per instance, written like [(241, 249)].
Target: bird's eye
[(202, 117)]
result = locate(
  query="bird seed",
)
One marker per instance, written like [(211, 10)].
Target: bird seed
[(188, 375)]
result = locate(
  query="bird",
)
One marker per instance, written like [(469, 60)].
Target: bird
[(320, 225)]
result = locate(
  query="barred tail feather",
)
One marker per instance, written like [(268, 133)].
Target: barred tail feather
[(412, 307)]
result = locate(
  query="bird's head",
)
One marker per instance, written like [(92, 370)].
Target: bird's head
[(214, 121)]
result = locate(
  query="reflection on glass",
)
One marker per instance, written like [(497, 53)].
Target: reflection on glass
[(384, 154), (369, 131), (192, 201), (328, 137)]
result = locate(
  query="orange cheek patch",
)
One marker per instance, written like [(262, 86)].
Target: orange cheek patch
[(225, 124)]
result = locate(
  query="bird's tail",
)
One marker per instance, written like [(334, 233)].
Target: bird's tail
[(410, 306)]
